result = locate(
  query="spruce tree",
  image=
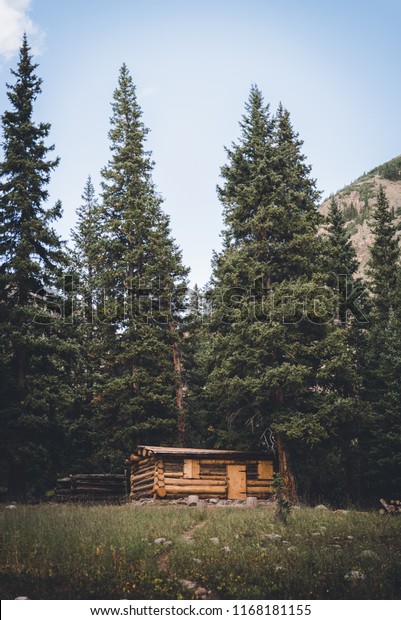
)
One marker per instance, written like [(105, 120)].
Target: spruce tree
[(80, 428), (262, 376), (85, 237), (142, 281), (195, 364), (340, 253), (34, 357), (339, 366), (384, 257), (382, 361)]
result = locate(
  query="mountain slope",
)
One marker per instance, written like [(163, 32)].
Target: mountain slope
[(358, 198)]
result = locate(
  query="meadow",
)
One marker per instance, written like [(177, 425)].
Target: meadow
[(115, 552)]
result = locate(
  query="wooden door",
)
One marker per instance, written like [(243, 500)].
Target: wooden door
[(236, 478)]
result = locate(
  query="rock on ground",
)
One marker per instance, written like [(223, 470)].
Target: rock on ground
[(189, 585)]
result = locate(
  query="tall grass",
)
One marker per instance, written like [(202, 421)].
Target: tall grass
[(72, 552)]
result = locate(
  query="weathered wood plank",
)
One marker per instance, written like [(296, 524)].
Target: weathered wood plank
[(265, 469), (191, 468), (203, 452), (236, 482)]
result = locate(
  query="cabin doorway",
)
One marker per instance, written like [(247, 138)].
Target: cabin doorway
[(236, 479)]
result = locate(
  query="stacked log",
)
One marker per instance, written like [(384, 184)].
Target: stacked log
[(143, 474), (160, 484), (260, 488), (179, 486), (392, 508), (62, 491), (192, 476), (91, 488)]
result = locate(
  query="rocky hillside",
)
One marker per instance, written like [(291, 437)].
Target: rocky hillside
[(358, 198)]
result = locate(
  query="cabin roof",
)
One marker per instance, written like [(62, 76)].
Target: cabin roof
[(200, 452)]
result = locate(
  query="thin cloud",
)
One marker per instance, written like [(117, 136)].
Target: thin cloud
[(14, 21)]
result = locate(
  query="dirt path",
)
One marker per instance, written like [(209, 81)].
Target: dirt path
[(163, 562), (188, 534)]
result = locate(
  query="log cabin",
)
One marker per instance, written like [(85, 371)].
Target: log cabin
[(172, 473)]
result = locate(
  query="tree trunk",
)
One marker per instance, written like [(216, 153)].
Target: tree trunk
[(179, 395), (286, 472), (21, 359)]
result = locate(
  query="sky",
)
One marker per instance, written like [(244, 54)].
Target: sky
[(333, 65)]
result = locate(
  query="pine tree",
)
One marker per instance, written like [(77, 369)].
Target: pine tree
[(80, 428), (384, 257), (143, 282), (382, 360), (261, 373), (340, 253), (338, 353), (85, 237), (34, 357), (195, 364)]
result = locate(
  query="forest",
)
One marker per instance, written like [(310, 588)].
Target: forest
[(104, 345)]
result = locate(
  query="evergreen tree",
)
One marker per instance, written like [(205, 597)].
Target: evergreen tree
[(339, 368), (85, 237), (143, 283), (34, 357), (383, 396), (262, 375), (340, 253), (382, 360), (80, 430), (195, 363), (384, 257)]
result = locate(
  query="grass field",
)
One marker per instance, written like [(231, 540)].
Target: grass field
[(103, 552)]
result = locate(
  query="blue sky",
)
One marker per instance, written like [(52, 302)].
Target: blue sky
[(335, 66)]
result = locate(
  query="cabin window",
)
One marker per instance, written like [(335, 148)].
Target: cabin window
[(265, 470), (191, 468)]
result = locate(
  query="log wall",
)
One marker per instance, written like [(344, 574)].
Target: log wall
[(177, 476), (143, 473)]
